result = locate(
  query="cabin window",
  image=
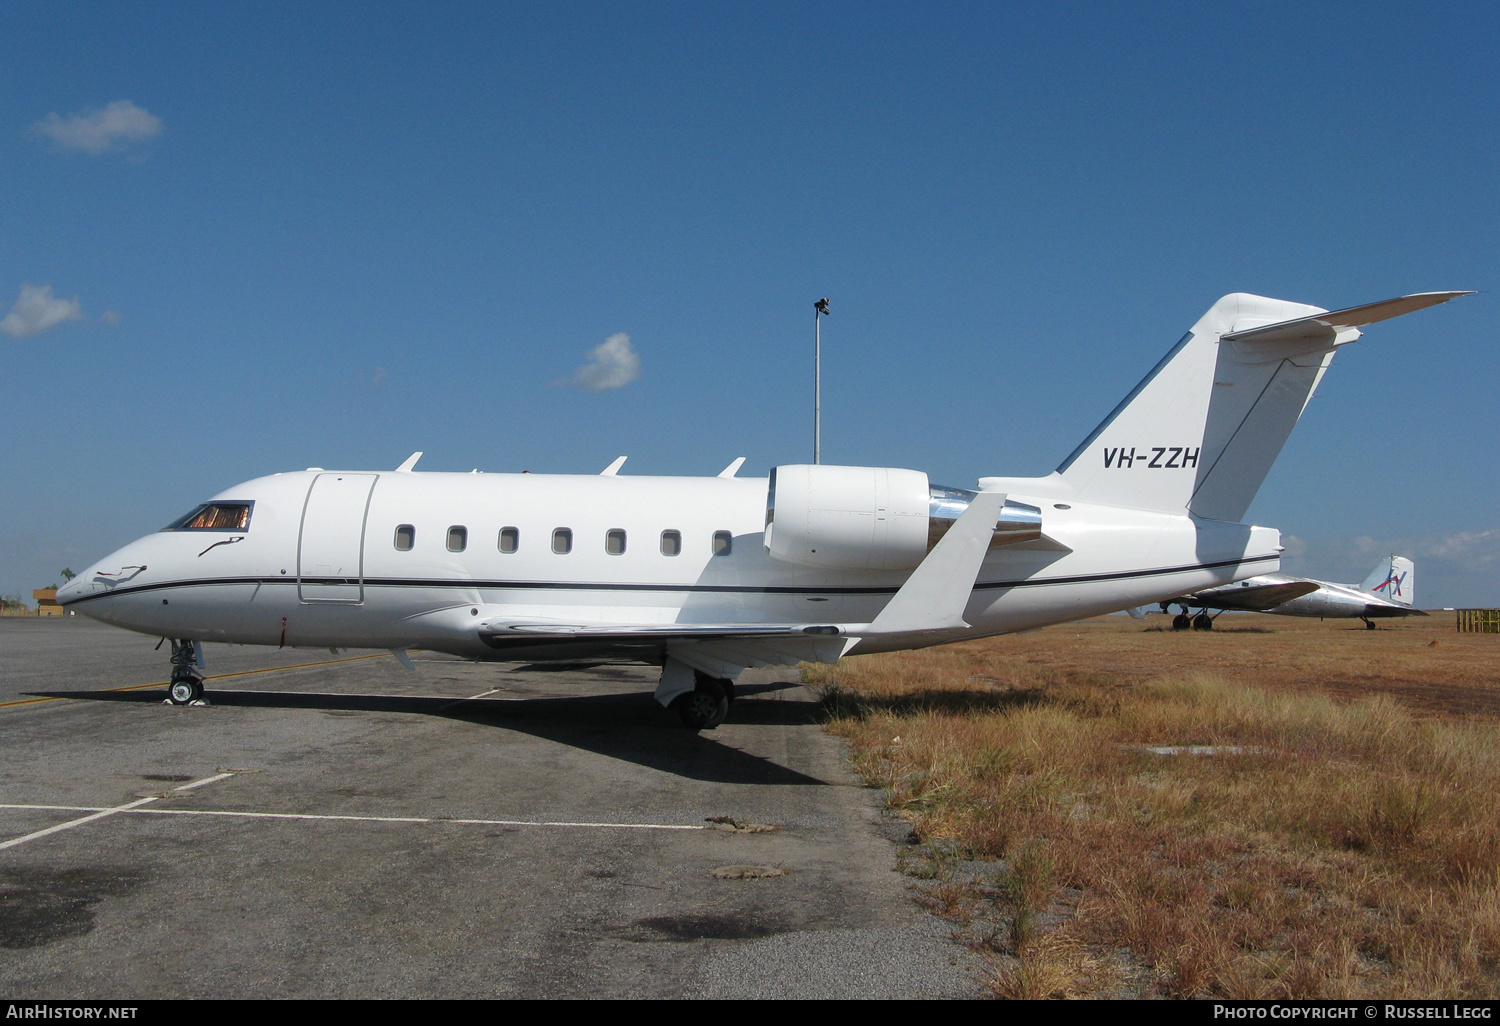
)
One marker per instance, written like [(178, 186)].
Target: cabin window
[(406, 537), (671, 543), (562, 541), (510, 539), (214, 516), (723, 542), (458, 538), (614, 542)]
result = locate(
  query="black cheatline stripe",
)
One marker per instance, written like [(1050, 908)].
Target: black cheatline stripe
[(404, 582)]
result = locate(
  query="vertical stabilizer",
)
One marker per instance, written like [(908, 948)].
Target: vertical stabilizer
[(1200, 432), (1394, 579)]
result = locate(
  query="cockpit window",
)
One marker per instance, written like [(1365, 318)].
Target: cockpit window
[(215, 516)]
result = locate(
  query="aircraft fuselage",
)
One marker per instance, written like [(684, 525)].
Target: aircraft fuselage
[(401, 559)]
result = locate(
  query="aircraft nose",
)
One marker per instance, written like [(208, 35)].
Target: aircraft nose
[(76, 588)]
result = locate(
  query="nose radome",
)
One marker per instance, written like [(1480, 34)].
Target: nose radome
[(76, 588)]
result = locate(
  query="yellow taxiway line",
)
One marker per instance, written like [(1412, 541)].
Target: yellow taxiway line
[(218, 676)]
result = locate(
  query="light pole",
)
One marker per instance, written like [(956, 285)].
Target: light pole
[(820, 310)]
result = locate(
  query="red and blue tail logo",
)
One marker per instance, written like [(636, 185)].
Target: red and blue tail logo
[(1393, 582)]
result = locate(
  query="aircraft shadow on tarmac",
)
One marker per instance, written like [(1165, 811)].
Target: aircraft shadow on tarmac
[(630, 727)]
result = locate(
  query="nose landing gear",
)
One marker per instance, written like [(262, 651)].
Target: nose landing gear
[(187, 682)]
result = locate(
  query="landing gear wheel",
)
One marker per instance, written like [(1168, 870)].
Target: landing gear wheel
[(185, 690), (705, 707), (1203, 622), (1369, 625), (1181, 622)]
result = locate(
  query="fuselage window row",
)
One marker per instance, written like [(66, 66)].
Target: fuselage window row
[(509, 540)]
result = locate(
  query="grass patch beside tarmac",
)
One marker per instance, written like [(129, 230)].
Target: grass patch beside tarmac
[(1288, 844)]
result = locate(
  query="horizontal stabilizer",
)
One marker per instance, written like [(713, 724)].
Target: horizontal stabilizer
[(1325, 327)]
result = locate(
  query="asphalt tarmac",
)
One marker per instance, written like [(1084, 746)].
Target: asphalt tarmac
[(333, 826)]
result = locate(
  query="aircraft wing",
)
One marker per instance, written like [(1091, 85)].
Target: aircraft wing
[(931, 602), (722, 649), (1257, 597)]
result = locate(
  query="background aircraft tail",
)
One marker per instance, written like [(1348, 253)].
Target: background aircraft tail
[(1200, 432), (1395, 579)]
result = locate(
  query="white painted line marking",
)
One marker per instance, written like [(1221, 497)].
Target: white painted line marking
[(425, 819), (461, 701), (102, 813), (59, 808), (74, 823), (349, 819), (200, 783)]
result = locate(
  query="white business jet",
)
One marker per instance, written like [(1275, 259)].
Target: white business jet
[(708, 576)]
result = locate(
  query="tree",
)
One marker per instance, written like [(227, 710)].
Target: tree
[(67, 575)]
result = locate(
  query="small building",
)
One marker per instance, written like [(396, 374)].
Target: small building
[(46, 602)]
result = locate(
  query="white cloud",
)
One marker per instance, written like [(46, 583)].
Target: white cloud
[(1474, 549), (612, 364), (37, 310), (110, 317), (117, 125)]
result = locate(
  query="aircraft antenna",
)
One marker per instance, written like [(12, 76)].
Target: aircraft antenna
[(820, 310)]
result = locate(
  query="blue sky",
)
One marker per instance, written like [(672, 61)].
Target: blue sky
[(333, 234)]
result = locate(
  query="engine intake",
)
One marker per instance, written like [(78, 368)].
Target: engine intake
[(871, 518)]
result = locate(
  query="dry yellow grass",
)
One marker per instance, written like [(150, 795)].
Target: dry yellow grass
[(1331, 846)]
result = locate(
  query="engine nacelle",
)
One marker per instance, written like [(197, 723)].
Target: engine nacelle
[(849, 518), (871, 518)]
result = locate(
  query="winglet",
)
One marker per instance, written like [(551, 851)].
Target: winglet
[(934, 596), (614, 468), (733, 468), (411, 461)]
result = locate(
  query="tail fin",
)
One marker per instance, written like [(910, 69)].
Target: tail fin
[(1201, 431), (1394, 579)]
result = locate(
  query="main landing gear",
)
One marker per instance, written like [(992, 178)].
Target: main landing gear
[(705, 707), (1369, 624), (1202, 622), (187, 683)]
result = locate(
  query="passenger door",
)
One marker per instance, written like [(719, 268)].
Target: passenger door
[(331, 541)]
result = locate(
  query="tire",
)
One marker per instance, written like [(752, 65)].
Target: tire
[(185, 690), (1203, 622), (1181, 622), (705, 707), (1369, 625)]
